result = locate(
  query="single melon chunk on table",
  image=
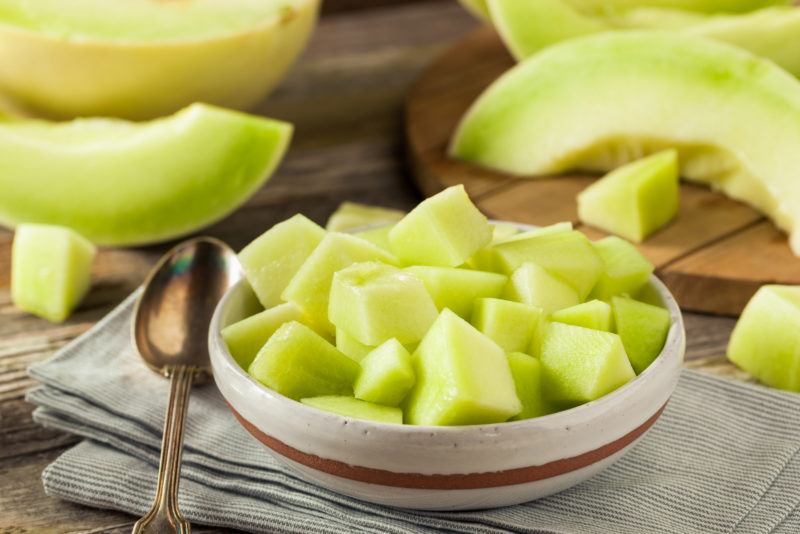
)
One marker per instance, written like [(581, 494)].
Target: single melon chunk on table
[(272, 259), (50, 270), (535, 286), (594, 314), (356, 408), (386, 375), (444, 230), (625, 270), (298, 363), (580, 364), (374, 302), (463, 377), (634, 200), (457, 289), (512, 325), (309, 289), (527, 373), (352, 215), (766, 339), (351, 346), (643, 329)]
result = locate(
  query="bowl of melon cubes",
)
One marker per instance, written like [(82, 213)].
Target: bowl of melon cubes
[(443, 361)]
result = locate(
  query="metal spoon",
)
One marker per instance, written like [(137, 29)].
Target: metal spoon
[(170, 331)]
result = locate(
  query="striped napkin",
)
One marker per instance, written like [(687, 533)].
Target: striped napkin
[(723, 458)]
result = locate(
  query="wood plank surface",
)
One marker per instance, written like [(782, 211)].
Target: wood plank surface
[(346, 99)]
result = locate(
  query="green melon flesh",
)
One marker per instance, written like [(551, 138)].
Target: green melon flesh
[(272, 259), (594, 314), (355, 408), (483, 260), (246, 337), (625, 270), (309, 289), (580, 365), (121, 183), (568, 255), (603, 100), (527, 373), (50, 270), (350, 346), (374, 302), (457, 289), (512, 325), (352, 215), (377, 236), (634, 200), (643, 329), (702, 6), (766, 339), (386, 376), (533, 285), (298, 363), (463, 377), (444, 230)]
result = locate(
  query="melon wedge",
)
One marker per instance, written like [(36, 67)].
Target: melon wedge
[(147, 58), (120, 183), (600, 101)]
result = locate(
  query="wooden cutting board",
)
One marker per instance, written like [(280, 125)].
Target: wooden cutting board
[(713, 256)]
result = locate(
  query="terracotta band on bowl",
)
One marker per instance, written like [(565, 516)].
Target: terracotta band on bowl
[(495, 479)]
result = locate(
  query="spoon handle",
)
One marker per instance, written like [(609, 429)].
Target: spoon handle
[(164, 516)]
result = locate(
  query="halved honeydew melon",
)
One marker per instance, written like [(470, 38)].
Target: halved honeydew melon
[(121, 183), (600, 101), (142, 59)]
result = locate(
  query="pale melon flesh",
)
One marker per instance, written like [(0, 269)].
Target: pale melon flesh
[(50, 270), (354, 216), (643, 329), (594, 314), (387, 375), (527, 373), (351, 346), (625, 270), (512, 325), (535, 286), (457, 289), (356, 408), (600, 101)]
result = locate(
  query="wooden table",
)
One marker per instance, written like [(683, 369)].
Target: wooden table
[(345, 96)]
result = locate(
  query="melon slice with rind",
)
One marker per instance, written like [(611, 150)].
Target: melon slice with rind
[(457, 289), (386, 375), (625, 270), (643, 329), (351, 346), (535, 286), (580, 364), (353, 216), (463, 377), (444, 230), (594, 314), (298, 363), (527, 373), (512, 325), (356, 408), (766, 339), (634, 200), (272, 259), (50, 270)]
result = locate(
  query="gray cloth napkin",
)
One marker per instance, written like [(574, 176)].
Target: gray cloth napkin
[(723, 458)]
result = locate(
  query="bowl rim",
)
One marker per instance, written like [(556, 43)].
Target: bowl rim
[(673, 345)]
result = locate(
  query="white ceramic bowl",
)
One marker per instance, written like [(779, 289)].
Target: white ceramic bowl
[(447, 468)]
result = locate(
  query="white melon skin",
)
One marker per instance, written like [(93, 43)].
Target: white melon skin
[(600, 101)]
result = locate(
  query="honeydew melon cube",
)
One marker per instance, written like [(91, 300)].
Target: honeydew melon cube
[(766, 339), (594, 314), (377, 236), (501, 230), (374, 302), (350, 346), (533, 285), (444, 230), (463, 377), (246, 337), (512, 325), (50, 270), (298, 363), (352, 215), (569, 255), (457, 289), (625, 270), (272, 259), (643, 329), (580, 364), (386, 376), (309, 289), (355, 408), (527, 373), (483, 260), (634, 200)]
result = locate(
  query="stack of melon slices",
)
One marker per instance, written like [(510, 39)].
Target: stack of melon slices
[(444, 319)]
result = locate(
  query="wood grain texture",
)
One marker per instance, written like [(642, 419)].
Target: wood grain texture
[(346, 99), (713, 256)]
